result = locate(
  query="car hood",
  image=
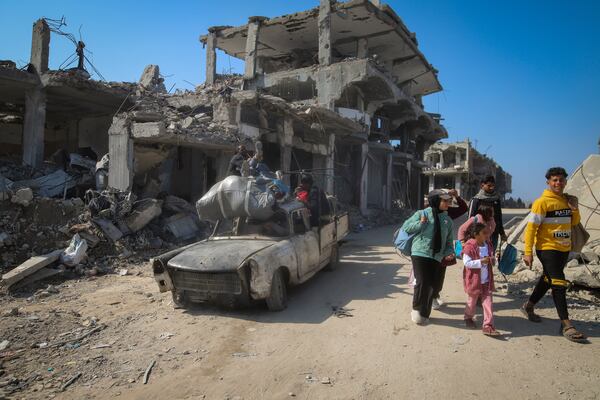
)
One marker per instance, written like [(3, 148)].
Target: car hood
[(218, 255)]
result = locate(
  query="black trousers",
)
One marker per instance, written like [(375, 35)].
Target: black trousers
[(554, 262), (427, 273), (439, 284)]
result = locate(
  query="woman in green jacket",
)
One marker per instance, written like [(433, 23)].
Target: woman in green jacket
[(434, 241)]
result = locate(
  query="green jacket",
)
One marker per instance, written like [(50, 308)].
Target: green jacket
[(422, 244)]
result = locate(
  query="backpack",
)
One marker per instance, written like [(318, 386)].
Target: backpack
[(403, 241)]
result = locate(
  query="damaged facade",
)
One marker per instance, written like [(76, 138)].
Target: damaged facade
[(336, 90), (460, 166)]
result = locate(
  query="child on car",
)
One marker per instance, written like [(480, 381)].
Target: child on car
[(478, 278)]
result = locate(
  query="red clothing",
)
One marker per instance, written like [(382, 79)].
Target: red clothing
[(302, 195), (471, 276), (462, 230)]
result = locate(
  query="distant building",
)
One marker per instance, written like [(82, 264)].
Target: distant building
[(460, 166)]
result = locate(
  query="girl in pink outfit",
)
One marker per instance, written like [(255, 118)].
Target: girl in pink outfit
[(485, 215), (478, 278)]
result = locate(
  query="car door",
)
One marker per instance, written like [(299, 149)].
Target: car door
[(306, 244)]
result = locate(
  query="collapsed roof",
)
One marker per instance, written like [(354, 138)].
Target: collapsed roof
[(389, 41)]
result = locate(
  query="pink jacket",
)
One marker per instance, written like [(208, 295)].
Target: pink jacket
[(462, 230), (471, 276)]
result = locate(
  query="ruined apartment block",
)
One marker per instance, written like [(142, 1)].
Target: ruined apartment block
[(335, 90), (460, 166)]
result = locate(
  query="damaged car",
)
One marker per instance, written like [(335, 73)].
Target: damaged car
[(246, 260)]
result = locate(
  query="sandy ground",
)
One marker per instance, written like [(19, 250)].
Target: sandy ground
[(304, 352)]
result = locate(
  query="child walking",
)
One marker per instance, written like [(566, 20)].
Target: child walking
[(478, 278)]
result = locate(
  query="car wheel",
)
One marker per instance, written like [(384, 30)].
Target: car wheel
[(179, 298), (277, 299), (334, 259)]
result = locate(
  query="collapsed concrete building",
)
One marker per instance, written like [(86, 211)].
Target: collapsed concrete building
[(44, 110), (336, 90), (460, 166), (327, 90)]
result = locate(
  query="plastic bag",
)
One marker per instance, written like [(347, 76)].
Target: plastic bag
[(75, 253)]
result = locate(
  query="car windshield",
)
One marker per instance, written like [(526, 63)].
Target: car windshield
[(276, 226)]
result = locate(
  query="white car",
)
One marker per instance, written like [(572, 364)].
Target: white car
[(245, 260)]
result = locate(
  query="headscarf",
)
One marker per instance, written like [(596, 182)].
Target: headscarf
[(485, 196), (434, 203)]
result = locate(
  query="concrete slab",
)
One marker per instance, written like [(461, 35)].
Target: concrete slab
[(29, 267)]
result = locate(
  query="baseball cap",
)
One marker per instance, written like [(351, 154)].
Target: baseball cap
[(441, 193)]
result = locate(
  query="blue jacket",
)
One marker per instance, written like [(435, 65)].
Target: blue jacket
[(422, 245)]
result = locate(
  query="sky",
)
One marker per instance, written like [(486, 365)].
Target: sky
[(521, 78)]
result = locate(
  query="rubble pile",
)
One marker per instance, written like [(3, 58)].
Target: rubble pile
[(46, 237), (188, 114), (375, 218)]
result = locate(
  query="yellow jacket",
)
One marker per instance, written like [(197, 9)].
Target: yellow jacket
[(550, 223)]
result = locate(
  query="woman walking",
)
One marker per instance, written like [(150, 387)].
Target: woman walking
[(433, 241)]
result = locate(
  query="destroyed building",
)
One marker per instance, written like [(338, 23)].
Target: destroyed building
[(460, 166), (335, 90)]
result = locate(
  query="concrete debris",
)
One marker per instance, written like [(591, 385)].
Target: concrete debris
[(40, 275), (182, 226), (143, 212), (22, 196), (584, 275), (29, 267), (109, 229), (151, 79)]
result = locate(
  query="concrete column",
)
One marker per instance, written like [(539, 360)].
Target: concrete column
[(40, 46), (211, 56), (458, 183), (325, 32), (442, 160), (390, 172), (286, 162), (251, 46), (362, 48), (364, 184), (286, 148), (120, 151), (330, 165), (33, 127)]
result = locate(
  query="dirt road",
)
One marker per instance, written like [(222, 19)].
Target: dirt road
[(304, 352)]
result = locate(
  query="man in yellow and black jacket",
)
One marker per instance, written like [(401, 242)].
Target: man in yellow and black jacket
[(549, 230)]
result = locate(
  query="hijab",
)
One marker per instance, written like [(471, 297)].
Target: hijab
[(434, 203)]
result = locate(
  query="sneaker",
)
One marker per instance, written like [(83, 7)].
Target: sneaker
[(417, 318), (437, 303)]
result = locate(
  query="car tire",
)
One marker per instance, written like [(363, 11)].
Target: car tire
[(334, 260), (277, 299), (179, 299)]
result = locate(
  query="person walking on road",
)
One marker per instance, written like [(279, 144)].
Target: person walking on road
[(432, 243), (487, 195), (454, 212), (478, 277), (552, 217), (485, 215)]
